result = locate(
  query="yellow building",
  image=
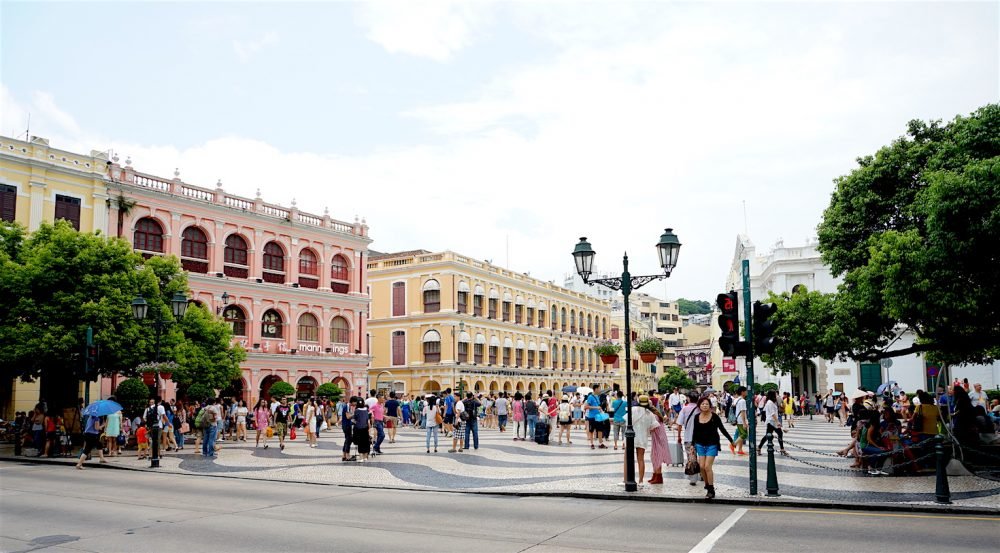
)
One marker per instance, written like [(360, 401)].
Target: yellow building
[(443, 320), (40, 183)]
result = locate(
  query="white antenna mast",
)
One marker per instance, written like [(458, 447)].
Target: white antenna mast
[(746, 223)]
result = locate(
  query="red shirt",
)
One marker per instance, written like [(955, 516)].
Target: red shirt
[(378, 411), (553, 407)]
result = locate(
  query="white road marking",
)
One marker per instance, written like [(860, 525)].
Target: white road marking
[(709, 541)]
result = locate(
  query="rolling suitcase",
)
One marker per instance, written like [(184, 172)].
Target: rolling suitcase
[(676, 450), (542, 434)]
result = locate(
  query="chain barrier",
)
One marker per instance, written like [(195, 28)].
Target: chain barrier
[(981, 468), (850, 469), (837, 455)]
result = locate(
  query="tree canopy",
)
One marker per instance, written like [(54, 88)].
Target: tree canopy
[(58, 281), (693, 307), (675, 377), (914, 231)]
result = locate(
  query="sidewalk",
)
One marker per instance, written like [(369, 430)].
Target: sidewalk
[(505, 466)]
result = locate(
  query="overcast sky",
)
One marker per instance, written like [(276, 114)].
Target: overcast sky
[(473, 125)]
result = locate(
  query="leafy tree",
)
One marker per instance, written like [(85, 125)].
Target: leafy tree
[(329, 390), (915, 232), (767, 387), (675, 377), (693, 307), (199, 392), (207, 355), (282, 389), (133, 395)]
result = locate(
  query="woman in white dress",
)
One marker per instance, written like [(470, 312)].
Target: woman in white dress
[(642, 419), (241, 421), (310, 422)]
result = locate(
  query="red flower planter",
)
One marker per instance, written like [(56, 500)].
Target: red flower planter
[(648, 357), (165, 375), (149, 379), (609, 359)]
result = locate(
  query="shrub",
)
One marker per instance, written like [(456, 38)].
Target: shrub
[(767, 387), (282, 389), (993, 394), (607, 348), (133, 396), (199, 392), (329, 390)]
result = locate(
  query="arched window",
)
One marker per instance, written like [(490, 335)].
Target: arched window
[(572, 321), (233, 314), (604, 329), (340, 331), (555, 317), (235, 257), (308, 328), (271, 324), (274, 263), (339, 275), (581, 323), (562, 314), (194, 245), (308, 265), (432, 347), (565, 358), (572, 357), (432, 296), (148, 235)]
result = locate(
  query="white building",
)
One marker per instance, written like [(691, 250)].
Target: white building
[(573, 282), (780, 270)]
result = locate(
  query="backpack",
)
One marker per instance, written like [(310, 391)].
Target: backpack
[(564, 412), (151, 418), (199, 421)]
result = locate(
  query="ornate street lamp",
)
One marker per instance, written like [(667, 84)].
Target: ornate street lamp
[(583, 255), (140, 309)]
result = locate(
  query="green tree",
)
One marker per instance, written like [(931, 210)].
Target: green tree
[(133, 395), (914, 231), (767, 387), (207, 355), (693, 307), (675, 377), (199, 392), (329, 390), (281, 389)]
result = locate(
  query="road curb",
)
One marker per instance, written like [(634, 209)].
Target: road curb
[(762, 501)]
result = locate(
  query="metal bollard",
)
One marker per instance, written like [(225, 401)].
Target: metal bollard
[(942, 493), (772, 472)]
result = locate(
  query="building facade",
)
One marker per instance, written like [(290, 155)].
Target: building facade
[(444, 320), (644, 375), (292, 285), (38, 184)]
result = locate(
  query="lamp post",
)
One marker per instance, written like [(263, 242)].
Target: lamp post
[(178, 305), (583, 255), (454, 368)]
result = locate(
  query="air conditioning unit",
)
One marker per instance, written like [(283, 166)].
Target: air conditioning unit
[(295, 285), (220, 275), (259, 280)]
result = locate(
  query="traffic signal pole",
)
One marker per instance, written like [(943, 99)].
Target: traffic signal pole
[(752, 407), (87, 362)]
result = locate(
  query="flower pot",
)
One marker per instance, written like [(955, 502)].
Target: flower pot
[(648, 357), (165, 375), (149, 379), (609, 359)]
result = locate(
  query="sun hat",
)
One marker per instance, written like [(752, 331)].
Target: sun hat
[(643, 400)]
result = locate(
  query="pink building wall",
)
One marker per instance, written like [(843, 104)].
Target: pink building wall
[(177, 206)]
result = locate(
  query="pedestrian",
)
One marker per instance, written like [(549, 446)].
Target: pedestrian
[(282, 416), (676, 402), (433, 417), (829, 405), (346, 413), (262, 421), (501, 405), (309, 420), (181, 426), (618, 410), (659, 451), (642, 421), (213, 416), (773, 424), (362, 420), (517, 411), (685, 424), (112, 429), (241, 420), (565, 419), (472, 407), (742, 424), (788, 405), (393, 410), (576, 403), (595, 419), (91, 440), (707, 426), (530, 409), (378, 418), (51, 434), (458, 427), (142, 442)]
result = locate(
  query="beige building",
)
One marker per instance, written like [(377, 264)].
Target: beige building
[(443, 320), (644, 375)]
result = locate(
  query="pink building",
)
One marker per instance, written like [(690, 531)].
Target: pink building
[(292, 285)]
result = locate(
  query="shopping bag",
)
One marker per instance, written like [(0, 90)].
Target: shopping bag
[(270, 432), (291, 435)]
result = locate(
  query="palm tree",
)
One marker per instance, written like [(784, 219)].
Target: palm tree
[(125, 206)]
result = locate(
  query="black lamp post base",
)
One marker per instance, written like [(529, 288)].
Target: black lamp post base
[(154, 463), (631, 487)]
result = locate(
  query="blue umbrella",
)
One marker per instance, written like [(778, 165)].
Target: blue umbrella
[(887, 386), (101, 408), (569, 389)]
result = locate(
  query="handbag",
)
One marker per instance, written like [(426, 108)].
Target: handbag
[(692, 467), (438, 418), (601, 417), (269, 432), (291, 434), (185, 428)]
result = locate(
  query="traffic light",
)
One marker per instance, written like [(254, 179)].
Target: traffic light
[(729, 322), (763, 327), (91, 355)]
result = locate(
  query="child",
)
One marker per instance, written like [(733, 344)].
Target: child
[(142, 442)]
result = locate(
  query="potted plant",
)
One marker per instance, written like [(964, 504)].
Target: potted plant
[(649, 349), (608, 351), (149, 370)]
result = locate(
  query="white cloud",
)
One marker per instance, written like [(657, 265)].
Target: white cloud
[(421, 28), (247, 49)]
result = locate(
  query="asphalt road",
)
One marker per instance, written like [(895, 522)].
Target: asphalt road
[(59, 509)]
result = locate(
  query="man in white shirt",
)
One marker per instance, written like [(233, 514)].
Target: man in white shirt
[(501, 405), (978, 397), (741, 419)]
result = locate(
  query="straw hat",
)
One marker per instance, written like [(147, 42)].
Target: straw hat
[(643, 400)]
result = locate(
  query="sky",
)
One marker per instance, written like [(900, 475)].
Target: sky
[(507, 130)]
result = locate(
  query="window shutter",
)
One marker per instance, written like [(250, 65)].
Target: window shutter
[(68, 208), (398, 348), (398, 299), (8, 202)]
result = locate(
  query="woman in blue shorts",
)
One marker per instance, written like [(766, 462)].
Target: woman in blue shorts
[(707, 426)]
